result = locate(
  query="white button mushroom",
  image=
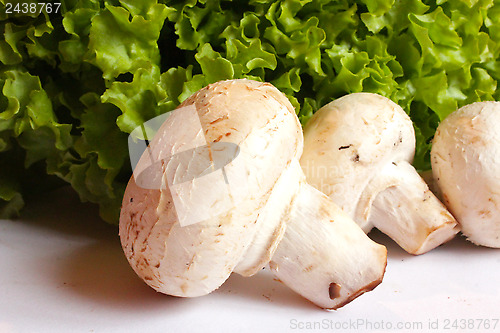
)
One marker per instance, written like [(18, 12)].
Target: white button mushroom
[(465, 159), (358, 150), (309, 243)]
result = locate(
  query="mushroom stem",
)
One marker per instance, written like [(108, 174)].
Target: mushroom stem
[(406, 206), (324, 255)]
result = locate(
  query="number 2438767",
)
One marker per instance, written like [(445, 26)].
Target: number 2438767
[(32, 8)]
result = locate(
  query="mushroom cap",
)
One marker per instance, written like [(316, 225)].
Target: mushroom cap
[(465, 160), (195, 259), (349, 141)]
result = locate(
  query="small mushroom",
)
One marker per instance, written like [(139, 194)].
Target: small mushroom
[(358, 150), (277, 219), (465, 159)]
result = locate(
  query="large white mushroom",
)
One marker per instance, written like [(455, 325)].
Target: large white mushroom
[(358, 150), (465, 160), (272, 215)]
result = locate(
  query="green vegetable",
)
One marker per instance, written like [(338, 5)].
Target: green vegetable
[(74, 83)]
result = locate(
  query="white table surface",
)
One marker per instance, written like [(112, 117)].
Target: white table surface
[(62, 270)]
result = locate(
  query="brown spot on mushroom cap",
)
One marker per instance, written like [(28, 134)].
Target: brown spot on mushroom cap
[(225, 116), (309, 268), (218, 138), (484, 213), (446, 200)]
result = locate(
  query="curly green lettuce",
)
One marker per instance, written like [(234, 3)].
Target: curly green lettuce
[(75, 83)]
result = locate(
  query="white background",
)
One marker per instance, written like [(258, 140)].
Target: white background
[(62, 270)]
